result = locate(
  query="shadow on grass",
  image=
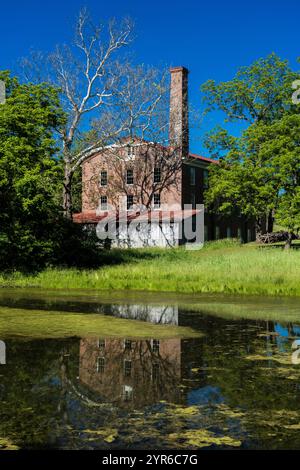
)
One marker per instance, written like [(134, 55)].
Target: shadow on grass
[(81, 256), (119, 256), (279, 246)]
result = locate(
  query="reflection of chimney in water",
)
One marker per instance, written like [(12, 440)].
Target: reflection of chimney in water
[(179, 121)]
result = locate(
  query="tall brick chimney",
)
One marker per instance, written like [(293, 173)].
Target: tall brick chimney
[(179, 120)]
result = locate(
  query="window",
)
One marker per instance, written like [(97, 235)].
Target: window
[(192, 176), (127, 392), (156, 201), (127, 344), (130, 152), (103, 178), (129, 176), (249, 235), (155, 345), (239, 233), (228, 232), (103, 203), (129, 201), (217, 232), (193, 200), (127, 368), (100, 365), (155, 372), (101, 343), (157, 175), (205, 179)]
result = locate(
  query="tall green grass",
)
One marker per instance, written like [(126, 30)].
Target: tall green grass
[(223, 267)]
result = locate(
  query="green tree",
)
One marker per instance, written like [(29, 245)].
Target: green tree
[(257, 168), (29, 173), (279, 149), (259, 92), (288, 214)]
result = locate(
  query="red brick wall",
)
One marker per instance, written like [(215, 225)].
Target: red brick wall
[(115, 163)]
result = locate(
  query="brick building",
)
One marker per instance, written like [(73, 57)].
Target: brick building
[(148, 181)]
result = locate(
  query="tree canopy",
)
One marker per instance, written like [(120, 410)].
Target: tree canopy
[(258, 172), (29, 173)]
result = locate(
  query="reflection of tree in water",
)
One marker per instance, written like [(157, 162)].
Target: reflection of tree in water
[(55, 392), (159, 314), (46, 402), (32, 396), (250, 363)]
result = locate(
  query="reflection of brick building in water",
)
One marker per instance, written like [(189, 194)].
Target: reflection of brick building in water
[(131, 373)]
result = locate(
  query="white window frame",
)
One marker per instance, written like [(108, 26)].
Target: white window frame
[(131, 171), (157, 169), (155, 345), (101, 184), (102, 369), (129, 208), (103, 205), (101, 346), (127, 392), (156, 205), (130, 152), (124, 367)]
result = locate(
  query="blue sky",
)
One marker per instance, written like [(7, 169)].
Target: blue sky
[(211, 38)]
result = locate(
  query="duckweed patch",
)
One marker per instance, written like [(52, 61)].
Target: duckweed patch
[(108, 435), (42, 324), (284, 359), (203, 438), (6, 444)]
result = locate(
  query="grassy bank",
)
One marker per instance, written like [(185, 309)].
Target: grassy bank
[(223, 267)]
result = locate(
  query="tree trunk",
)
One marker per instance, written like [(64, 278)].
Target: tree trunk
[(288, 242), (270, 222), (67, 193), (258, 229)]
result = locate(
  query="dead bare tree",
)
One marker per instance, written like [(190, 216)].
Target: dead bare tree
[(136, 123), (85, 72), (99, 86), (87, 80)]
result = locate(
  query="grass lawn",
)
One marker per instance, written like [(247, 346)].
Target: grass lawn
[(224, 267)]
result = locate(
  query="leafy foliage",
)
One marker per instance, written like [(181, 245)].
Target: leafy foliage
[(258, 171), (33, 232)]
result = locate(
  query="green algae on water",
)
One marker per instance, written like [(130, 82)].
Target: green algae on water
[(43, 324)]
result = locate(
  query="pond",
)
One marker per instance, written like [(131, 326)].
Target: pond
[(148, 371)]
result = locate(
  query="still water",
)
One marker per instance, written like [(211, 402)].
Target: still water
[(228, 378)]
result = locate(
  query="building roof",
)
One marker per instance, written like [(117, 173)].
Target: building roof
[(203, 159), (136, 141)]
